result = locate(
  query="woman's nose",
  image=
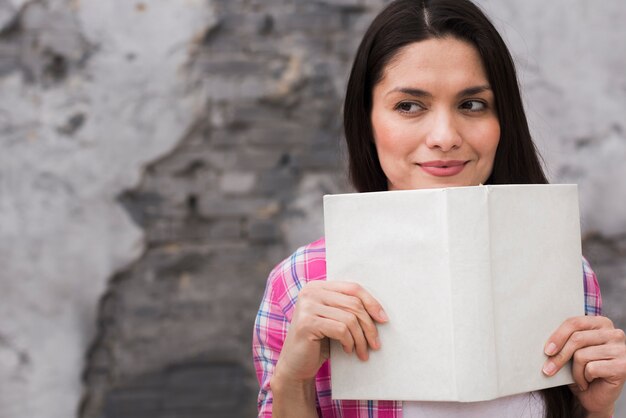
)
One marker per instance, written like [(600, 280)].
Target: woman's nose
[(443, 132)]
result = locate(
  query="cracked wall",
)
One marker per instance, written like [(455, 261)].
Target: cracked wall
[(160, 157)]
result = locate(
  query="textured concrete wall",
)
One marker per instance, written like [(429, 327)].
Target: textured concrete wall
[(159, 157), (89, 93)]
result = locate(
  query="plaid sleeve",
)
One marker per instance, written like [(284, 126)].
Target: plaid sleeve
[(270, 329), (272, 321), (593, 298)]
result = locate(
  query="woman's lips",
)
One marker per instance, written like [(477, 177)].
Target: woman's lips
[(443, 168)]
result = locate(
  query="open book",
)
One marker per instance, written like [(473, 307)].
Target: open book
[(474, 281)]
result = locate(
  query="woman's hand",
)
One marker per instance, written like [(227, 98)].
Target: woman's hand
[(342, 311), (599, 367)]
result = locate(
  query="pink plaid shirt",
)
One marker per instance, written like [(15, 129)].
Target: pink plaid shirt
[(308, 263)]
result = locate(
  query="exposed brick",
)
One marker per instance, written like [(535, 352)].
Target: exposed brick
[(237, 182), (213, 206), (263, 231)]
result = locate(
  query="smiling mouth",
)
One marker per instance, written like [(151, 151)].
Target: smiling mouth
[(444, 164), (443, 168)]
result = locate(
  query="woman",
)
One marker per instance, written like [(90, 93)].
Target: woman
[(432, 101)]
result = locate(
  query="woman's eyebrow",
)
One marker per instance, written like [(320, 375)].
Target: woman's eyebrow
[(470, 91), (473, 90), (410, 91)]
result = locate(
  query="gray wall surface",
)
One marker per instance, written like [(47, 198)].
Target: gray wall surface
[(160, 157)]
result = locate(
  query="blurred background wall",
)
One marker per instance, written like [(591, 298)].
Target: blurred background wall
[(159, 157)]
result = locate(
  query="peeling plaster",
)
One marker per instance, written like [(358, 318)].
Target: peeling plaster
[(76, 133)]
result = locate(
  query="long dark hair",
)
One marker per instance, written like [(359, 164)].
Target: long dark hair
[(517, 160)]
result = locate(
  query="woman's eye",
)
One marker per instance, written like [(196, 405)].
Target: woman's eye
[(474, 105), (408, 107)]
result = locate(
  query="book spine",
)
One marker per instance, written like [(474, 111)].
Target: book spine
[(472, 298)]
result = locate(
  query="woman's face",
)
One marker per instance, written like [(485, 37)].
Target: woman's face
[(434, 118)]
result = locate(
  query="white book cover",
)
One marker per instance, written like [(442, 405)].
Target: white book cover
[(474, 281)]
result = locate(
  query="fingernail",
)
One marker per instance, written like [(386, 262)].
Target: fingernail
[(551, 349), (377, 342), (549, 368), (383, 316)]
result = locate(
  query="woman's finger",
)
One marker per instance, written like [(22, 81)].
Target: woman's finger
[(354, 305), (578, 323), (611, 371), (335, 330), (353, 324), (576, 341), (372, 306), (586, 355)]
